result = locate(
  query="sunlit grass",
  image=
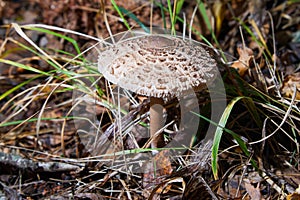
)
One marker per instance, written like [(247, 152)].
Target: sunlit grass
[(61, 72)]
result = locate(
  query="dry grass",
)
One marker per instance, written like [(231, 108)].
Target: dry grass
[(75, 132)]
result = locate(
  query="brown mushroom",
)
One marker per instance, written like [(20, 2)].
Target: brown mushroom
[(158, 66)]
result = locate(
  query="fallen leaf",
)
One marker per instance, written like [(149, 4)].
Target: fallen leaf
[(295, 195), (253, 192), (288, 85), (243, 63), (161, 166), (166, 186)]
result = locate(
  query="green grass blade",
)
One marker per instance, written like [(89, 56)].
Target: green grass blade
[(203, 13), (120, 13), (179, 6), (234, 135), (26, 67), (162, 13), (45, 58), (133, 16), (221, 127), (218, 135), (254, 37), (71, 40), (40, 55), (17, 122), (8, 92), (171, 17), (22, 34)]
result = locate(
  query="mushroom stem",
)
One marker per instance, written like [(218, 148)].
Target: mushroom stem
[(156, 121)]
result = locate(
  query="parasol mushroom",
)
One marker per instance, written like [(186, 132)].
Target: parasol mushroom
[(160, 67)]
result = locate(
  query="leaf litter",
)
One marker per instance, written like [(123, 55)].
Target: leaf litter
[(260, 36)]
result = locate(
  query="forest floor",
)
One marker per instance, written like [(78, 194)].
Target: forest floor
[(45, 71)]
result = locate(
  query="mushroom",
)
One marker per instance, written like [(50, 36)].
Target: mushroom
[(160, 67)]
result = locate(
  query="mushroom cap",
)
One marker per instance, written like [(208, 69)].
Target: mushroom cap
[(157, 65)]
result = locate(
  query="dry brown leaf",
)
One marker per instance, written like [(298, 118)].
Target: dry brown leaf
[(166, 186), (288, 85), (243, 63), (253, 192), (295, 195), (162, 167)]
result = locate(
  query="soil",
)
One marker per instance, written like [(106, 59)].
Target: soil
[(55, 164)]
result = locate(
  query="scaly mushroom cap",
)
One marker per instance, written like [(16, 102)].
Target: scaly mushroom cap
[(157, 65)]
